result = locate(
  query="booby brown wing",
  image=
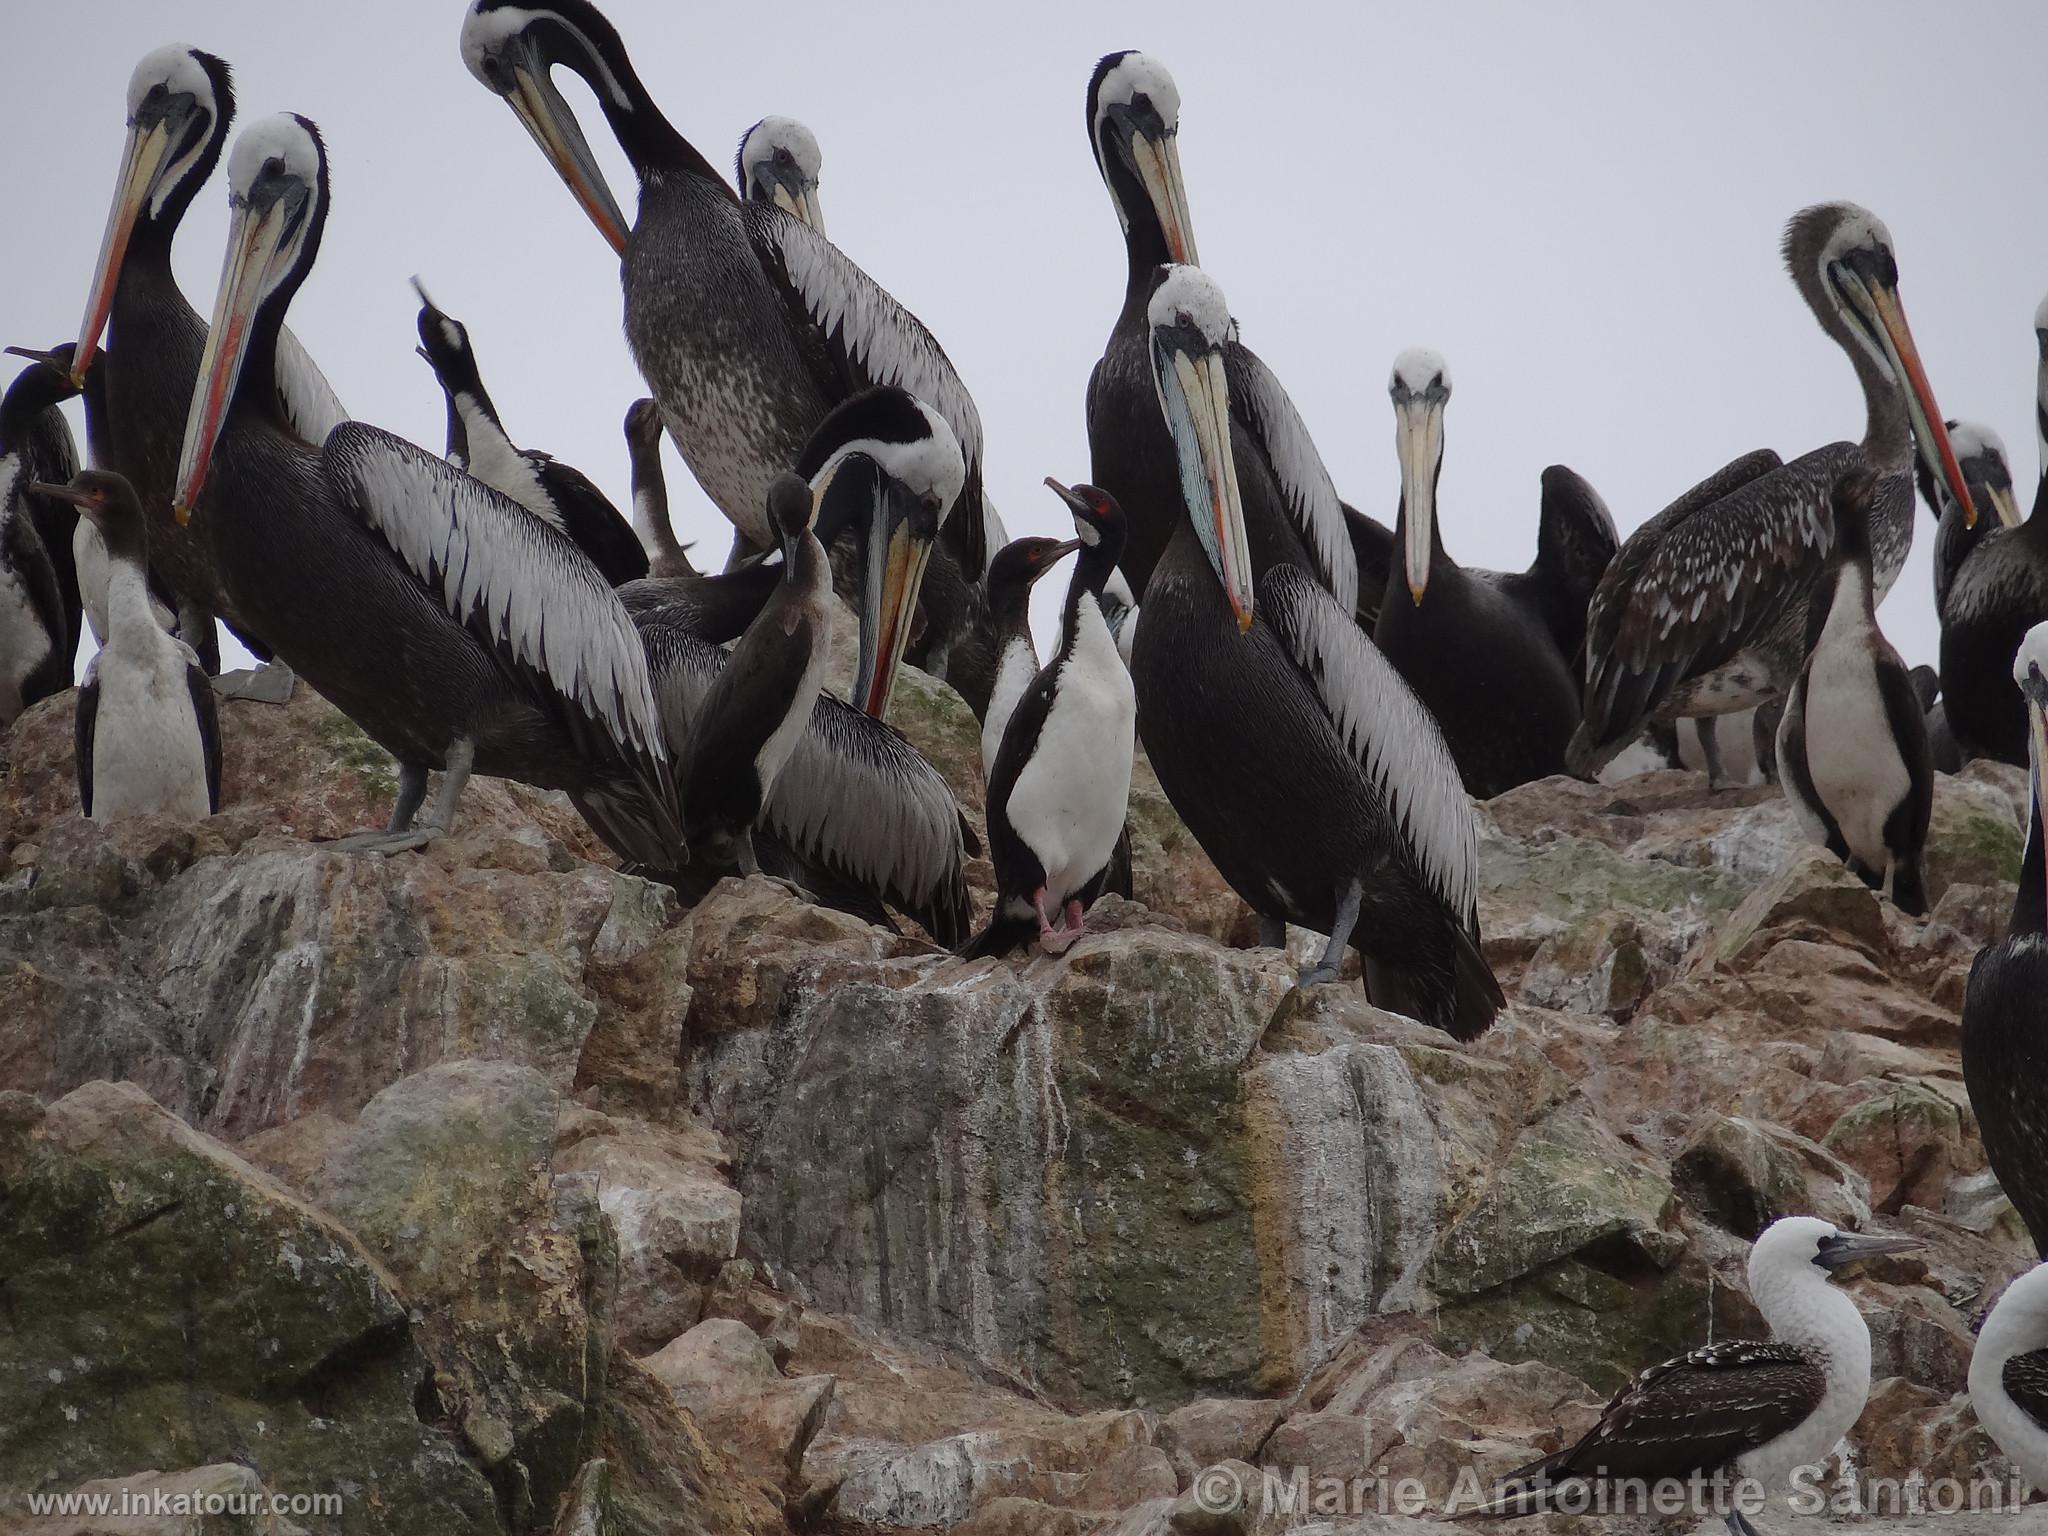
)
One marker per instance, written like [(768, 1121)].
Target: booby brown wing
[(2025, 1378)]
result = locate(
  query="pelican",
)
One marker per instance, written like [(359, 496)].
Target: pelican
[(1980, 452), (1703, 611), (458, 630), (779, 162), (1304, 766), (38, 626), (748, 324)]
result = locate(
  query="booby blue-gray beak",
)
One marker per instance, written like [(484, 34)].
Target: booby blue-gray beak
[(1845, 1248)]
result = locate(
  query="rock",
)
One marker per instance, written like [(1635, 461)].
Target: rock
[(166, 1297), (1908, 1142), (1126, 1477), (724, 1375), (1210, 1430), (225, 1499), (1744, 1175), (1815, 896), (1978, 828)]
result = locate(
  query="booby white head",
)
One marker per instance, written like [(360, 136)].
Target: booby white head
[(2012, 1353), (1190, 322), (1420, 387), (180, 102), (1134, 127), (779, 162)]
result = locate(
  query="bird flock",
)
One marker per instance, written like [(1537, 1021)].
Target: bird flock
[(1321, 696)]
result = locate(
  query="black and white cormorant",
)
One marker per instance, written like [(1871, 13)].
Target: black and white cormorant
[(38, 628), (1703, 611), (2005, 1011), (761, 703), (1852, 754), (1980, 453), (1291, 507), (747, 323), (1061, 780), (458, 630), (665, 557), (558, 494), (779, 162), (1485, 663), (1312, 777), (1751, 1408), (1011, 576), (2009, 1375), (147, 727), (180, 106)]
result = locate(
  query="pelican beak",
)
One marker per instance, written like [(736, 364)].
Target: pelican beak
[(256, 239), (1846, 1248), (1419, 439), (1194, 395), (539, 106), (1157, 162), (2037, 734), (1886, 317), (899, 543), (794, 199), (2002, 503), (141, 159)]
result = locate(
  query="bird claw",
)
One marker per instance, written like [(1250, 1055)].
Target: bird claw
[(410, 839), (267, 684), (1316, 975)]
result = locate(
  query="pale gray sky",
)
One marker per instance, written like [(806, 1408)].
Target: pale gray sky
[(1579, 206)]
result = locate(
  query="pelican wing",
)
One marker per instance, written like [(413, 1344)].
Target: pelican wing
[(1264, 410), (522, 587), (1384, 727), (868, 338), (311, 408), (855, 797)]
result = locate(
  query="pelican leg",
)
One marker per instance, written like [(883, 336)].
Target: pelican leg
[(1054, 941), (1710, 749), (1272, 933), (412, 789), (1327, 968), (743, 853), (461, 755)]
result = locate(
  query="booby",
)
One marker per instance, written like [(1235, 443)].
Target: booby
[(460, 632), (1703, 611), (38, 630), (2004, 1034), (1484, 664), (761, 703), (557, 494), (1852, 747), (747, 323), (1061, 780), (1980, 452), (181, 104), (779, 162), (1752, 1408), (2009, 1375), (147, 728), (1292, 511), (1011, 576), (665, 557), (1312, 777)]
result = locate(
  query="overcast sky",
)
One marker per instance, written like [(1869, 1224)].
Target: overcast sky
[(1580, 206)]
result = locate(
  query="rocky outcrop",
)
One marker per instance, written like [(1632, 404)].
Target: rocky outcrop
[(494, 1189)]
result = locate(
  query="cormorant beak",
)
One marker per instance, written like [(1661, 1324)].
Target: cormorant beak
[(141, 159), (1156, 159), (1845, 1248), (899, 543), (539, 106), (257, 251), (1879, 306), (1194, 396), (1419, 439), (77, 498)]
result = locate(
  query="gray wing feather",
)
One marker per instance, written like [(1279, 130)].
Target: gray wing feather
[(310, 405), (1384, 727), (511, 578), (1312, 503)]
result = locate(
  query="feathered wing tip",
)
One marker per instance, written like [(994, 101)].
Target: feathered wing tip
[(1525, 1491), (1477, 997), (639, 830), (1003, 935)]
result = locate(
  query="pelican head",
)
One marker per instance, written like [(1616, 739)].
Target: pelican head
[(180, 103), (1420, 387), (1841, 257), (1190, 322), (779, 162), (277, 208), (1980, 453), (887, 463), (2030, 671), (1134, 128)]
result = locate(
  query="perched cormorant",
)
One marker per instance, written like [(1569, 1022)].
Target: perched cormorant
[(779, 162), (2005, 1011), (761, 703), (1703, 611), (1754, 1408), (1485, 664), (557, 494), (1011, 576), (1061, 779), (1852, 748), (1303, 765), (147, 728), (461, 632), (665, 557), (2009, 1375)]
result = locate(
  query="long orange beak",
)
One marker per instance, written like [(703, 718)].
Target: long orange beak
[(1158, 165), (537, 105), (1930, 433), (1194, 395), (141, 159)]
